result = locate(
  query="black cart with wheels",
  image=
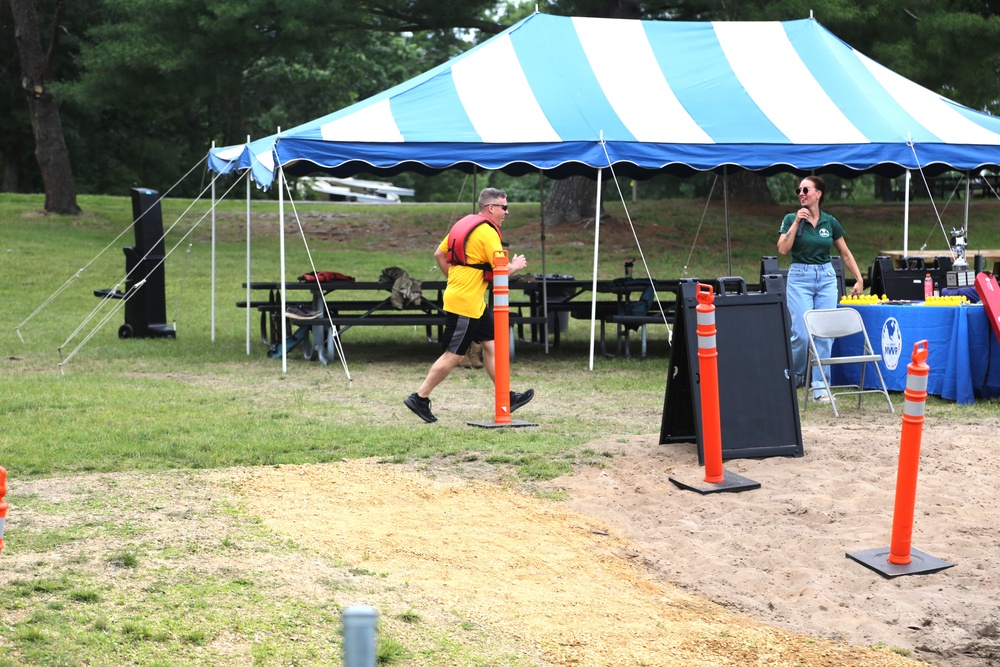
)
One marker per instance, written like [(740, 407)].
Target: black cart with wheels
[(145, 282)]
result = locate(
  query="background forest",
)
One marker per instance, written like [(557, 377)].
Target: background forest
[(139, 89)]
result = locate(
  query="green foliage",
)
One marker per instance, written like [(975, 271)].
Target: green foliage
[(389, 651), (246, 68), (145, 86)]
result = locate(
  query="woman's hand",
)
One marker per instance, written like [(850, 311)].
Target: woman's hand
[(859, 287)]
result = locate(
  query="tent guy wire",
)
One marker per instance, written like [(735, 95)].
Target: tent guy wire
[(334, 334), (69, 281), (701, 223), (937, 214), (638, 245), (131, 292)]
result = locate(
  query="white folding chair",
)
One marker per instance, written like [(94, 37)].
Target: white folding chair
[(840, 323)]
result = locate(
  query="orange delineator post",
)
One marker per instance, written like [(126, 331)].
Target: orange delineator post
[(708, 369), (915, 397), (501, 336), (3, 503)]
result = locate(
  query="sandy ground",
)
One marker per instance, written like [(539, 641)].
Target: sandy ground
[(632, 570), (778, 553)]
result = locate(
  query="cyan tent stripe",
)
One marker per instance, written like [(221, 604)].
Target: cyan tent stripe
[(936, 114), (782, 86), (861, 98), (620, 55), (419, 114), (692, 60), (497, 97), (569, 94)]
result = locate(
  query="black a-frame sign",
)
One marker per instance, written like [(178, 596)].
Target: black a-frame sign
[(757, 401)]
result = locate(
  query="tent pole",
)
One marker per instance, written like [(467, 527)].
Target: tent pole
[(906, 217), (249, 178), (597, 240), (725, 206), (545, 286), (281, 244), (213, 255), (475, 188), (968, 193)]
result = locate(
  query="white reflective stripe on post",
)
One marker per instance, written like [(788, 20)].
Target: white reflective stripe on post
[(915, 384), (501, 293), (706, 320)]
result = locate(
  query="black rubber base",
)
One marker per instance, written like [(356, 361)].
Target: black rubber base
[(513, 424), (878, 560), (731, 482)]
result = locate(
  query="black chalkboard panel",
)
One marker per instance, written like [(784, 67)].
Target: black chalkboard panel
[(757, 400)]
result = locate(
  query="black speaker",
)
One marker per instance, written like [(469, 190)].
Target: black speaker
[(769, 267), (758, 404), (145, 282), (906, 283)]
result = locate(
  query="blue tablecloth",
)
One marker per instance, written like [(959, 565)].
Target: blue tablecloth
[(963, 353)]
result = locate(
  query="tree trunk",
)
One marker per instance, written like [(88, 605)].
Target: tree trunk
[(571, 200), (50, 145)]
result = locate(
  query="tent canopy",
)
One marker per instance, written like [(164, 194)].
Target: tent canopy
[(571, 95)]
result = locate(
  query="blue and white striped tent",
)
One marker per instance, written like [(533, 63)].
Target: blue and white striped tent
[(573, 95)]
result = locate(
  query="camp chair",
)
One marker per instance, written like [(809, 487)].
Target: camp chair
[(840, 323)]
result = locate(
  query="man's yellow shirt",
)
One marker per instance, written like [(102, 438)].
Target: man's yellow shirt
[(466, 291)]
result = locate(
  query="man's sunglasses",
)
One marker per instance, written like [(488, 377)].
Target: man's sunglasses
[(503, 206)]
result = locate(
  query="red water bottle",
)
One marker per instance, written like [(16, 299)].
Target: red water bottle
[(928, 287)]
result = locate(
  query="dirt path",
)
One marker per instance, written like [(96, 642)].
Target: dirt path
[(594, 580)]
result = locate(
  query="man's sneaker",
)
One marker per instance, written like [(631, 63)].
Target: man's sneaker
[(517, 400), (421, 407), (822, 398)]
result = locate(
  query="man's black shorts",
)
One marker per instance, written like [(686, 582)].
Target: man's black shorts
[(460, 332)]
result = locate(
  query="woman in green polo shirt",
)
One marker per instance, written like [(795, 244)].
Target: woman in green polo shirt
[(808, 234)]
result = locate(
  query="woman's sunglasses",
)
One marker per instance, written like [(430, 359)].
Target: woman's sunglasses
[(803, 191)]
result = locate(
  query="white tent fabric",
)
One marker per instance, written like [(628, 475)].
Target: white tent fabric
[(572, 95)]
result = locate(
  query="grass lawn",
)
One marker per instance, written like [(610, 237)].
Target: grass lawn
[(76, 399)]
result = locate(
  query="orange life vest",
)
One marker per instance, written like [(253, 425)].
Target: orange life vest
[(459, 236)]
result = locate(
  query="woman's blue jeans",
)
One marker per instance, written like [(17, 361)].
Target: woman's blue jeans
[(809, 287)]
